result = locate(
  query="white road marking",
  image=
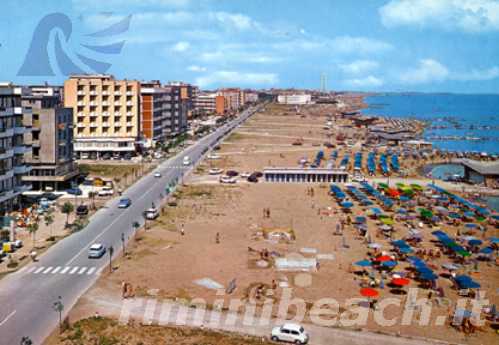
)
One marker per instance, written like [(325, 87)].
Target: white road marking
[(39, 270), (74, 270), (32, 269), (83, 269), (21, 270), (65, 269), (91, 270), (47, 270), (57, 269), (7, 318)]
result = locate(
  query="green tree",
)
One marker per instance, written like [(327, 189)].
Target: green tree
[(32, 229), (136, 226), (67, 209), (49, 219)]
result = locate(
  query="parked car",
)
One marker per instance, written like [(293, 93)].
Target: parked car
[(227, 179), (253, 178), (151, 213), (187, 160), (96, 251), (157, 174), (50, 196), (290, 332), (213, 156), (105, 191), (215, 171), (74, 191), (231, 173), (82, 210), (124, 203)]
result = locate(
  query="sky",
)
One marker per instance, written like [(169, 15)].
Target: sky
[(369, 45)]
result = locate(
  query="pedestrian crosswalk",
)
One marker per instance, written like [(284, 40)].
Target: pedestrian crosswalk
[(69, 270)]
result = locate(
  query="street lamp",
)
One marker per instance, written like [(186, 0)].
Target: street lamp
[(111, 252), (123, 243), (59, 307)]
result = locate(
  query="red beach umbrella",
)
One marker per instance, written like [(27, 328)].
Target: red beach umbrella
[(369, 292), (383, 258), (400, 281)]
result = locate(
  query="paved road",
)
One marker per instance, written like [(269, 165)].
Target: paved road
[(27, 296)]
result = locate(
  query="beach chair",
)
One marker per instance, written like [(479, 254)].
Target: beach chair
[(463, 292)]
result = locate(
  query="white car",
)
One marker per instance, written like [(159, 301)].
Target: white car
[(227, 179), (245, 174), (213, 156), (290, 332), (187, 160), (215, 171), (96, 251), (157, 174), (152, 213), (105, 191)]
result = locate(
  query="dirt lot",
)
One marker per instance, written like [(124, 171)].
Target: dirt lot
[(105, 331), (227, 235)]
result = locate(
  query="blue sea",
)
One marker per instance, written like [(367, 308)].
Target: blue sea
[(466, 122)]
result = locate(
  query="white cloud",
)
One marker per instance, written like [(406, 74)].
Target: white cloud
[(428, 70), (228, 78), (359, 67), (196, 68), (465, 15), (367, 82), (364, 45), (235, 20), (237, 53), (181, 46), (478, 75)]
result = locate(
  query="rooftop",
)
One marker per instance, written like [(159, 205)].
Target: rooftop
[(483, 168)]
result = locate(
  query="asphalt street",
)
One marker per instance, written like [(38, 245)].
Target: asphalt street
[(27, 296)]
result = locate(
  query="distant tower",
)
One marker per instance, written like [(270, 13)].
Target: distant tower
[(323, 83)]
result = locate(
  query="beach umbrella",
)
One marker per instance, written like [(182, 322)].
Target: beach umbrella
[(360, 219), (494, 240), (369, 292), (405, 250), (390, 263), (475, 242), (400, 281), (385, 227), (428, 276), (425, 213), (463, 253), (383, 258), (363, 263), (374, 245), (416, 187), (454, 215), (470, 225), (393, 193), (387, 221), (469, 214), (442, 210), (404, 198), (383, 185), (402, 211), (486, 250), (346, 204)]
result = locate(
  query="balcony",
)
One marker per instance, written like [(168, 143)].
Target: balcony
[(22, 169), (81, 103), (21, 129), (105, 93), (6, 174), (80, 93), (93, 104), (105, 104), (22, 149), (129, 124), (105, 124), (6, 153), (93, 93), (6, 133), (129, 113), (117, 93), (93, 125), (118, 114), (80, 125), (129, 93), (117, 103), (106, 113), (129, 103)]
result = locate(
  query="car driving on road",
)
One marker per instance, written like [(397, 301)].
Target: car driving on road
[(124, 203), (96, 251), (290, 332)]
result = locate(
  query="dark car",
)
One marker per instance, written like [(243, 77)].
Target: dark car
[(74, 191), (82, 210), (253, 178), (49, 196), (231, 173), (258, 174)]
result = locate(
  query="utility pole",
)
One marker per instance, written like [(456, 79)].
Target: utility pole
[(123, 243), (111, 252)]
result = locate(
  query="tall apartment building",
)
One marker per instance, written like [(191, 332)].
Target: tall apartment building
[(156, 112), (106, 114), (52, 139), (181, 103), (232, 98), (209, 103), (14, 145)]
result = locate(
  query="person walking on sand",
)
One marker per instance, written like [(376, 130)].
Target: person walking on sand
[(182, 232), (217, 238)]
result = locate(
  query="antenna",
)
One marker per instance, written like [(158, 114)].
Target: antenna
[(323, 82)]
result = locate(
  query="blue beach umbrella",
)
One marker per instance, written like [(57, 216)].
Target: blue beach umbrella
[(470, 225), (486, 251), (428, 276), (363, 263), (346, 204), (475, 242), (389, 263)]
